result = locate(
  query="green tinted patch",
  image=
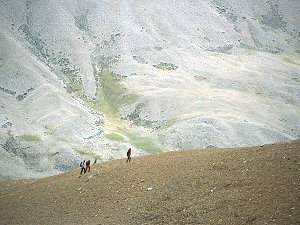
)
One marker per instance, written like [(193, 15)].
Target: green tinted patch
[(290, 61), (166, 66), (86, 153), (75, 87), (111, 95), (28, 137), (142, 142), (169, 123), (111, 92), (115, 137)]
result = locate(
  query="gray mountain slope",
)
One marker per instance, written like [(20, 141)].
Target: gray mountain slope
[(89, 79)]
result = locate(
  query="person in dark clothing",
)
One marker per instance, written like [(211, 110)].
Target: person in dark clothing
[(87, 166), (82, 166), (128, 155)]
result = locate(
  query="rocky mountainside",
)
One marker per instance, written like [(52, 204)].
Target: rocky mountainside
[(258, 185), (91, 78)]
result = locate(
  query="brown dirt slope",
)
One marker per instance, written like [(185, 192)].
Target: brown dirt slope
[(257, 185)]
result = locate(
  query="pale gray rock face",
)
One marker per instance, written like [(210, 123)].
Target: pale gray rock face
[(89, 79)]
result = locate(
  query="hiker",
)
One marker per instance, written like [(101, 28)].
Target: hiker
[(95, 161), (87, 166), (128, 155), (82, 166)]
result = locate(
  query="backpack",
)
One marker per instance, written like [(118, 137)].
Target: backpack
[(82, 164)]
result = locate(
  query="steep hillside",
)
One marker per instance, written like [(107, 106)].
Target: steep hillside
[(257, 185), (93, 78)]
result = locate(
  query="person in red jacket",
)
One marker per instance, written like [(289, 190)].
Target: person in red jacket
[(128, 155), (88, 165)]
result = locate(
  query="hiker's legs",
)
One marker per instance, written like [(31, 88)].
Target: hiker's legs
[(82, 169)]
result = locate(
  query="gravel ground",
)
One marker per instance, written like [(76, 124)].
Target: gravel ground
[(257, 185)]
